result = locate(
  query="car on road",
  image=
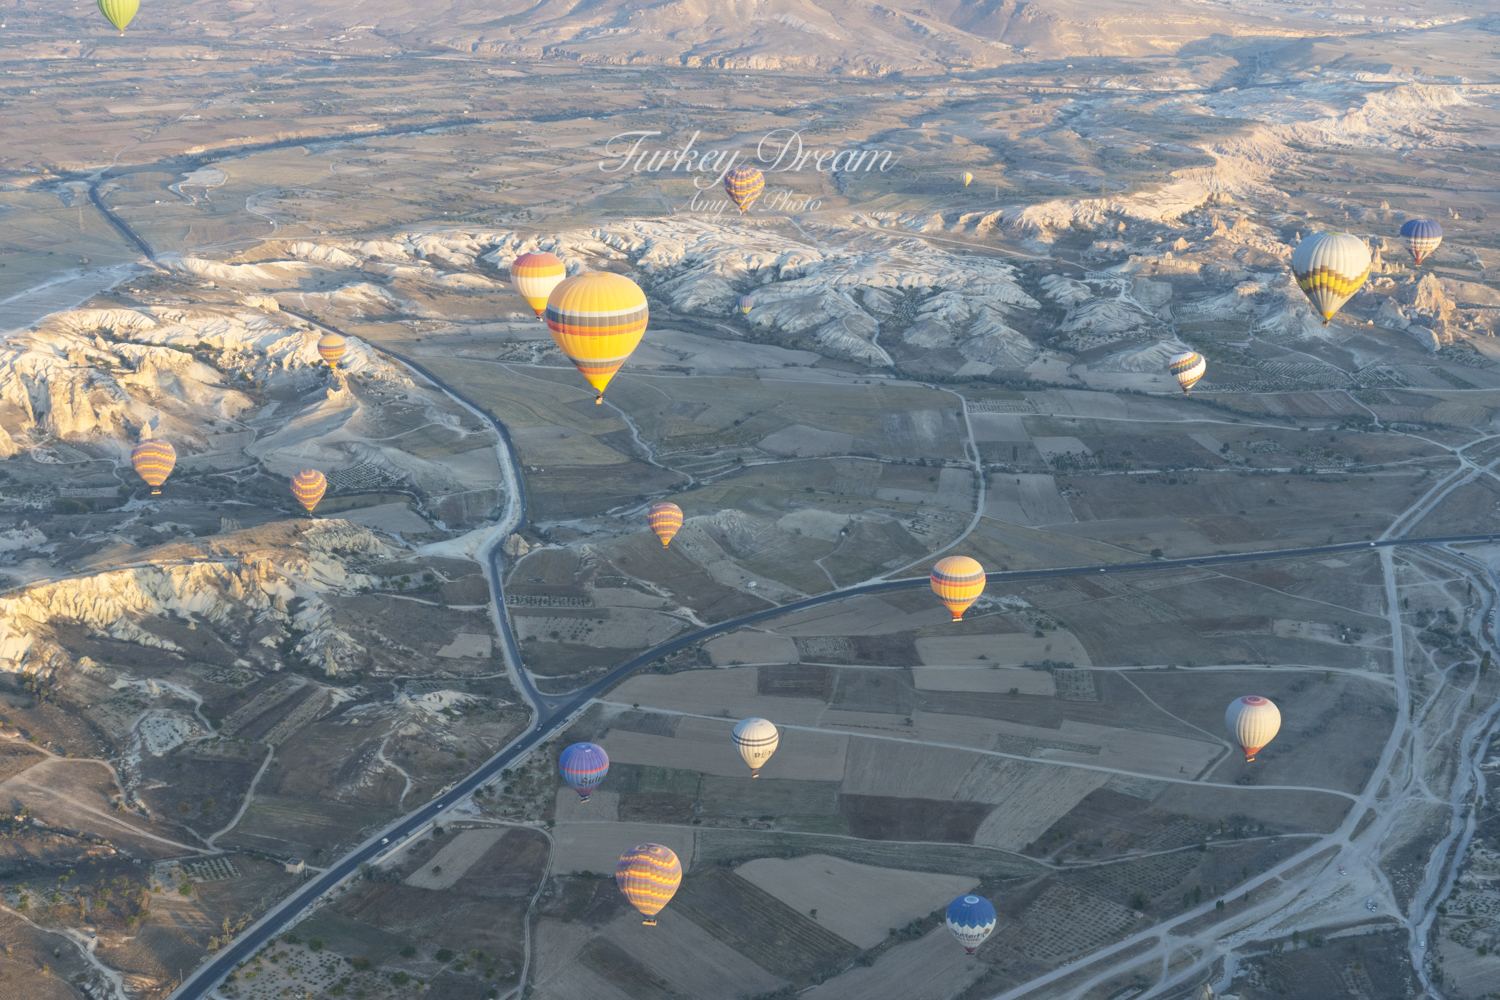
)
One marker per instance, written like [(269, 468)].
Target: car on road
[(385, 840)]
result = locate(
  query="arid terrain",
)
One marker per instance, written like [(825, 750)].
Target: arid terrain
[(251, 753)]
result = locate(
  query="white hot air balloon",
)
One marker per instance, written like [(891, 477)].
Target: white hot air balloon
[(756, 740), (1330, 268), (1253, 722)]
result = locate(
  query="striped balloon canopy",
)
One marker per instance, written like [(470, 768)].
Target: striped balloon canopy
[(665, 519), (968, 178), (119, 12), (1421, 237), (583, 767), (331, 348), (597, 319), (971, 919), (308, 486), (1187, 368), (744, 185), (153, 460), (535, 275), (756, 740), (1330, 268), (648, 875), (958, 581), (745, 304)]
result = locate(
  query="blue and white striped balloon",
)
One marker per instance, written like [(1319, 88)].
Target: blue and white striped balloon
[(1421, 237), (583, 767), (971, 919)]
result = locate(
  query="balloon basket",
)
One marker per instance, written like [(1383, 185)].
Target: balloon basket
[(968, 951), (583, 798), (600, 398), (755, 773), (648, 923), (156, 493), (958, 618)]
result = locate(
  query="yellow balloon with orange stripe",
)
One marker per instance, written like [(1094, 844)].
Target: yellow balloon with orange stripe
[(153, 460), (331, 348), (597, 319), (648, 875), (664, 518), (308, 486), (958, 581), (535, 275)]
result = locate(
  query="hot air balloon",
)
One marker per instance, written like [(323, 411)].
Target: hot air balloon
[(971, 919), (308, 486), (648, 875), (756, 740), (1421, 237), (535, 275), (664, 518), (958, 581), (746, 303), (968, 178), (1187, 368), (597, 319), (583, 767), (1329, 268), (744, 185), (1253, 722), (331, 348), (119, 12), (153, 460)]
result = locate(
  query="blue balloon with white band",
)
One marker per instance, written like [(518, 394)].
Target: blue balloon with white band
[(971, 919)]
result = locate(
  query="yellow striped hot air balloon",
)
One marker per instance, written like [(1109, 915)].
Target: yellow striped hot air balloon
[(153, 460), (967, 178), (648, 875), (597, 319), (535, 275), (119, 12), (1187, 368), (1330, 268), (744, 185), (958, 581), (665, 519), (331, 348), (308, 486)]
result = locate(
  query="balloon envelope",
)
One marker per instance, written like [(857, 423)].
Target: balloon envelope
[(665, 519), (308, 486), (1187, 368), (958, 581), (331, 348), (744, 185), (583, 767), (535, 275), (971, 919), (119, 12), (1421, 237), (1253, 721), (756, 740), (968, 178), (597, 319), (1330, 268), (648, 875), (746, 303), (153, 460)]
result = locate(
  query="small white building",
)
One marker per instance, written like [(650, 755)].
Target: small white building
[(294, 866)]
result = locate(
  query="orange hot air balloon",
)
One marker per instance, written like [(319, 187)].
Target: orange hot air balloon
[(958, 581), (308, 486), (153, 460), (665, 519), (744, 185), (597, 319), (535, 275), (648, 875), (331, 348)]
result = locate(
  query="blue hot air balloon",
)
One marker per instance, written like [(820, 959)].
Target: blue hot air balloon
[(971, 919), (746, 303), (583, 767), (1421, 237)]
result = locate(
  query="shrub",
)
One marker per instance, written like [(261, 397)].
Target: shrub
[(400, 978), (444, 955)]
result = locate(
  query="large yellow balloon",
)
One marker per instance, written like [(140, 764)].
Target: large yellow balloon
[(665, 519), (535, 275), (331, 348), (597, 319), (648, 875), (308, 486), (153, 460), (119, 12), (958, 581), (1330, 268)]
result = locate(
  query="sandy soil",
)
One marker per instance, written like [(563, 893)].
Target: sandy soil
[(993, 680), (597, 847), (751, 647), (1005, 649), (710, 692), (1026, 498), (704, 745), (391, 517), (468, 644), (933, 967), (690, 958), (455, 859), (859, 903)]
